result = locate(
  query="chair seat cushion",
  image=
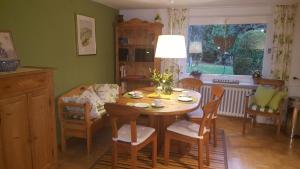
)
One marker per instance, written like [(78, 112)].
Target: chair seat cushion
[(186, 128), (124, 134), (265, 109)]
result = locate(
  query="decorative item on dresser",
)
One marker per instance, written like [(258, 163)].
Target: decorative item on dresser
[(135, 46), (9, 60), (27, 120)]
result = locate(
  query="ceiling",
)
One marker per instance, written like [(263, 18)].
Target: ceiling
[(147, 4)]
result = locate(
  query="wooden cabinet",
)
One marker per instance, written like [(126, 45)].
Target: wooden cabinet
[(27, 120), (15, 133), (135, 50)]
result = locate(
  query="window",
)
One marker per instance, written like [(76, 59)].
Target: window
[(234, 49)]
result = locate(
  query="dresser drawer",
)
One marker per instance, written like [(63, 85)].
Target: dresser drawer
[(21, 84)]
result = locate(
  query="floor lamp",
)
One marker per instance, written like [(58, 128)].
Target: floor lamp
[(171, 47)]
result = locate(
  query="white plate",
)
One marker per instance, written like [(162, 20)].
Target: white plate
[(185, 99), (160, 106), (177, 89), (137, 97), (141, 105), (135, 92)]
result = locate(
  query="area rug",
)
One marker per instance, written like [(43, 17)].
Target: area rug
[(218, 158)]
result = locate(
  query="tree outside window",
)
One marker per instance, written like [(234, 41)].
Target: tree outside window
[(235, 49)]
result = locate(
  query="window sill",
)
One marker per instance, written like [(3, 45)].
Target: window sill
[(246, 81)]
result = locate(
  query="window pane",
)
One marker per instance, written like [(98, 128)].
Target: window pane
[(235, 49)]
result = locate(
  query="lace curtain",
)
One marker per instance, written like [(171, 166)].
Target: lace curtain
[(284, 21), (178, 22)]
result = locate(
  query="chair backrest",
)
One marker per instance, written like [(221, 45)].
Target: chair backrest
[(191, 83), (127, 113), (277, 84), (208, 111), (217, 92)]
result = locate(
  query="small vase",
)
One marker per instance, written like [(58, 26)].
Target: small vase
[(167, 89)]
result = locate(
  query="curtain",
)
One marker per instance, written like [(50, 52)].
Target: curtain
[(178, 23), (284, 22)]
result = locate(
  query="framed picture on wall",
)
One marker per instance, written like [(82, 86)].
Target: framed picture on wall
[(7, 49), (85, 35)]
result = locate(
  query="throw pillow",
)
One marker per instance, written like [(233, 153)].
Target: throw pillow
[(276, 99), (263, 95), (107, 92)]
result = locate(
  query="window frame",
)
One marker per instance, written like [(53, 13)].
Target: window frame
[(210, 20)]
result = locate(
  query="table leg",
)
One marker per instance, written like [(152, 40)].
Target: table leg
[(160, 123), (294, 121)]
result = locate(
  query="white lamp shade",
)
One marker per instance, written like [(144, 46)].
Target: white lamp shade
[(170, 46)]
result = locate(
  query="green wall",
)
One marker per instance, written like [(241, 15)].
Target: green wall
[(44, 35)]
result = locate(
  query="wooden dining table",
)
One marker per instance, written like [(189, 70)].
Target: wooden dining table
[(161, 118)]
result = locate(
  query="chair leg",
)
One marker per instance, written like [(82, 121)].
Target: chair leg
[(200, 152), (254, 121), (154, 151), (278, 126), (244, 123), (207, 150), (167, 148), (209, 134), (133, 157), (114, 154), (89, 142), (215, 131)]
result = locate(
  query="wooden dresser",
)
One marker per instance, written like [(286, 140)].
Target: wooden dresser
[(27, 120)]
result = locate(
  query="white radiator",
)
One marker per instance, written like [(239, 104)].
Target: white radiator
[(233, 100)]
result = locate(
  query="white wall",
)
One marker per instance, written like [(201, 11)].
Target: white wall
[(294, 85)]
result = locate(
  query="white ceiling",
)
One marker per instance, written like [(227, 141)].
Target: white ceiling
[(144, 4)]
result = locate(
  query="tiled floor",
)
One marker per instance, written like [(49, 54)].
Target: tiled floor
[(259, 149)]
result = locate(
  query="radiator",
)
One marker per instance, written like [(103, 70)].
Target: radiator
[(233, 100)]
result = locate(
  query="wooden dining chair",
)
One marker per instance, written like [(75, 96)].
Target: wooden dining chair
[(217, 92), (129, 136), (277, 114), (191, 84), (192, 133)]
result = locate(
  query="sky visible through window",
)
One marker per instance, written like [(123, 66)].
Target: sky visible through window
[(235, 49)]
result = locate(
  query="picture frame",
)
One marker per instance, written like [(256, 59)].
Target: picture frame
[(7, 49), (85, 35)]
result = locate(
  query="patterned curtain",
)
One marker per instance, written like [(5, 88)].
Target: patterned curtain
[(284, 22), (178, 22)]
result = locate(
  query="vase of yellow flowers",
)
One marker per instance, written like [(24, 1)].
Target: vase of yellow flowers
[(162, 81)]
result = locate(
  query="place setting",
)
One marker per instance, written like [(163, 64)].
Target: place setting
[(157, 103), (185, 97), (135, 94)]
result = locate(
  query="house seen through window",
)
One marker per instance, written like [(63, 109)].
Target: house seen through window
[(235, 49)]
